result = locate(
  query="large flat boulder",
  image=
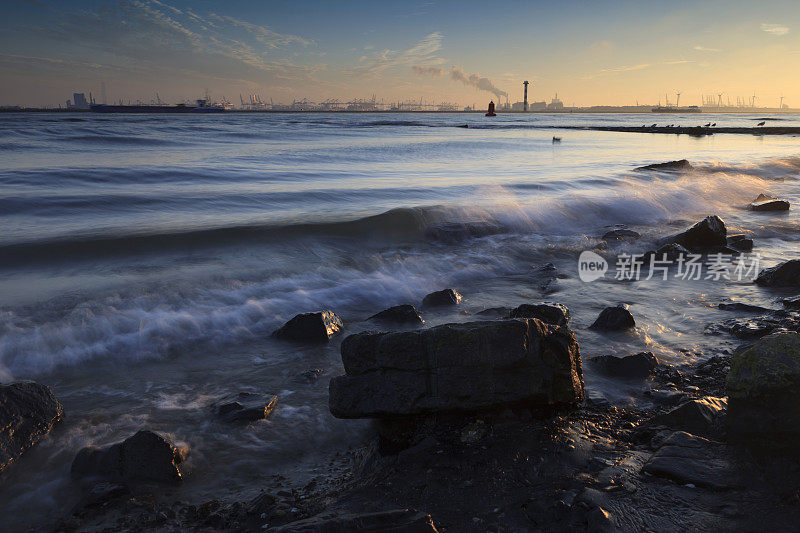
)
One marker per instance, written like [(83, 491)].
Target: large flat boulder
[(763, 388), (786, 274), (245, 407), (457, 367), (28, 412), (765, 202), (552, 313), (314, 327), (687, 459), (144, 457)]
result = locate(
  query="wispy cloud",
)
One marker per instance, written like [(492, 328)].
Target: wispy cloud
[(704, 49), (678, 61), (774, 29), (615, 70), (422, 53)]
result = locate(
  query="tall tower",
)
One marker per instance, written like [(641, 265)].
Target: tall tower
[(525, 100)]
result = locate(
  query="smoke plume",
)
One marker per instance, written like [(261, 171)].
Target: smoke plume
[(456, 74)]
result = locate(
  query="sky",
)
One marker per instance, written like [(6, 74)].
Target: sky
[(614, 52)]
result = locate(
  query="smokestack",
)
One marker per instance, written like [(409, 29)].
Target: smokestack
[(525, 100)]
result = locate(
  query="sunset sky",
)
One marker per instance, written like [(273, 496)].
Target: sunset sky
[(604, 52)]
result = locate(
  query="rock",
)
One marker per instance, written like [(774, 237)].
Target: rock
[(99, 496), (28, 411), (764, 390), (311, 375), (666, 397), (700, 417), (639, 365), (706, 234), (684, 458), (457, 367), (143, 457), (400, 520), (792, 303), (614, 319), (786, 274), (245, 407), (552, 313), (765, 202), (681, 164), (399, 314), (546, 278), (747, 308), (670, 251), (498, 312), (311, 327), (621, 235), (598, 520), (740, 243), (442, 298)]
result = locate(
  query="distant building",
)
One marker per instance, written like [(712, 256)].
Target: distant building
[(538, 106), (518, 106), (79, 101), (555, 103)]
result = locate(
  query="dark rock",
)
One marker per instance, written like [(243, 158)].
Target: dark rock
[(614, 319), (639, 365), (311, 327), (684, 458), (681, 164), (670, 252), (764, 390), (245, 407), (621, 235), (499, 312), (28, 412), (792, 303), (442, 298), (740, 243), (311, 375), (706, 234), (747, 308), (552, 313), (99, 496), (700, 417), (399, 314), (748, 328), (765, 202), (144, 457), (457, 367), (666, 397), (400, 520), (786, 274), (598, 520)]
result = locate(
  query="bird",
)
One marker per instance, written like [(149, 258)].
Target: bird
[(654, 125), (761, 123), (556, 139), (707, 125), (714, 124)]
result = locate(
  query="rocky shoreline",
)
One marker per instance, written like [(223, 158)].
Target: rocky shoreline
[(485, 426)]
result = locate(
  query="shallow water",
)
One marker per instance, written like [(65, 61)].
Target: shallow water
[(146, 259)]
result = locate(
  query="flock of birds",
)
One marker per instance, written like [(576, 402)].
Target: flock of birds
[(707, 125)]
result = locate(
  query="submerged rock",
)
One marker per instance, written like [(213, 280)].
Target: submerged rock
[(399, 314), (685, 458), (621, 235), (442, 298), (497, 312), (311, 327), (28, 411), (457, 367), (764, 202), (640, 365), (245, 407), (764, 390), (614, 319), (681, 164), (143, 457), (792, 303), (400, 520), (707, 233), (747, 308), (786, 274), (552, 313)]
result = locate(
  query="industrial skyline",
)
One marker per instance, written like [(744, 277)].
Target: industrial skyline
[(596, 54)]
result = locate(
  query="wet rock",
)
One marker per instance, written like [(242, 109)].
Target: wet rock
[(406, 520), (28, 412), (245, 407), (685, 458), (598, 520), (143, 457), (457, 367), (614, 319), (546, 278), (792, 303), (707, 233), (747, 308), (640, 365), (741, 243), (681, 164), (311, 375), (786, 274), (443, 298), (702, 416), (666, 397), (311, 327), (764, 202), (671, 252), (750, 328), (498, 312), (764, 390), (621, 235), (399, 314), (99, 496), (552, 313)]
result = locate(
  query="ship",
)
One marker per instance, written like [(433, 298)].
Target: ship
[(202, 106), (676, 109)]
